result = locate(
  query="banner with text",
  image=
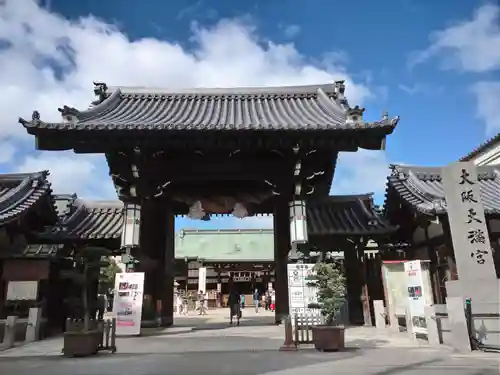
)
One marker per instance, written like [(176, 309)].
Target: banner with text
[(300, 293), (127, 302)]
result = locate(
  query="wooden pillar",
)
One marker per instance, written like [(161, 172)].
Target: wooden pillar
[(365, 295), (433, 271), (165, 278), (281, 250), (148, 251), (352, 274), (157, 247)]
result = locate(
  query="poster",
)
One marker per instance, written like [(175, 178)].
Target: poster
[(300, 294), (127, 302), (22, 290), (419, 293)]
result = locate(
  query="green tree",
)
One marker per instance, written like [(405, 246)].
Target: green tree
[(107, 276), (331, 290)]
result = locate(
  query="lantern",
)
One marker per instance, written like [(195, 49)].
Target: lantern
[(131, 225), (298, 222)]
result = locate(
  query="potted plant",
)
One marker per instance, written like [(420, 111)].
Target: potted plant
[(84, 339), (330, 284)]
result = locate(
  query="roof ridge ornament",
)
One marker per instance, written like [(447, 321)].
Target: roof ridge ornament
[(354, 116), (101, 91)]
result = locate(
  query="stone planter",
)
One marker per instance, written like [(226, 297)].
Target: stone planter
[(82, 343), (328, 338)]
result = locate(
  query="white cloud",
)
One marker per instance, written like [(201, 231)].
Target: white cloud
[(488, 108), (471, 46), (291, 31), (70, 173), (361, 172), (47, 61), (7, 151)]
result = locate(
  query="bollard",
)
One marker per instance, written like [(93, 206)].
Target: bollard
[(113, 335), (107, 329), (379, 310), (433, 326), (33, 327), (288, 345), (9, 336)]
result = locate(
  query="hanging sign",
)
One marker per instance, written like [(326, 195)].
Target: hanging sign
[(127, 302)]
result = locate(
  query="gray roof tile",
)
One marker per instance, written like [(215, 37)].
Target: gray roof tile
[(34, 251), (481, 148), (346, 215), (317, 107), (421, 187), (84, 219), (20, 192)]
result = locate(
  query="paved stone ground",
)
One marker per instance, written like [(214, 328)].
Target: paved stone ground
[(208, 345)]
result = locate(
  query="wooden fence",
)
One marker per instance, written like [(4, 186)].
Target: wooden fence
[(303, 324)]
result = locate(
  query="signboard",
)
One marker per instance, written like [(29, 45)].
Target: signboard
[(22, 290), (127, 302), (419, 293), (299, 292), (471, 242)]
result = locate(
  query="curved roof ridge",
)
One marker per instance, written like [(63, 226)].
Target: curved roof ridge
[(489, 143), (100, 204), (95, 110), (341, 198), (249, 90), (19, 192)]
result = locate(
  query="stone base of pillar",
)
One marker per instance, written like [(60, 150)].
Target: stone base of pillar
[(279, 318), (150, 323), (166, 321)]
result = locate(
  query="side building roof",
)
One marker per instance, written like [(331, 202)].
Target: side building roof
[(23, 193), (293, 109), (483, 147), (348, 215), (83, 220), (421, 188)]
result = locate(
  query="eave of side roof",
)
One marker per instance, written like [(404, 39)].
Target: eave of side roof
[(421, 188), (490, 143), (349, 215), (19, 193), (89, 220)]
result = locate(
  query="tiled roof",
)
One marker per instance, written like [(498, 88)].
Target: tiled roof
[(83, 219), (33, 251), (21, 192), (421, 187), (353, 215), (481, 148), (316, 107)]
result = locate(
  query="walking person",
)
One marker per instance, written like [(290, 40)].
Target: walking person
[(201, 303), (102, 304), (256, 300), (234, 303), (273, 301), (268, 300), (242, 301)]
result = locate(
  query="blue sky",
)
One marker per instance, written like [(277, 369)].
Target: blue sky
[(433, 64)]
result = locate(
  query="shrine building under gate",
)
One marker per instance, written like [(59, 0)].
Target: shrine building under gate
[(198, 152)]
